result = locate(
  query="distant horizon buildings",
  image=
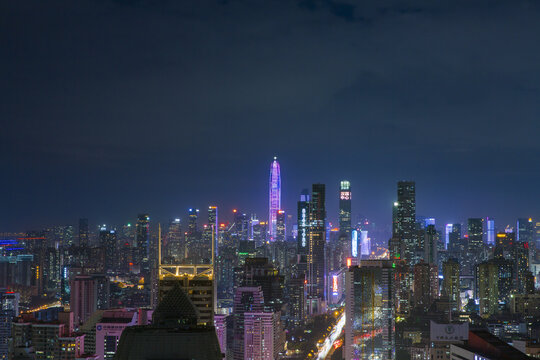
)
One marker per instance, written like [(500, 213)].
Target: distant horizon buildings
[(274, 198)]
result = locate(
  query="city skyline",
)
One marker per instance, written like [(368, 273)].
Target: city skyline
[(270, 180), (385, 215)]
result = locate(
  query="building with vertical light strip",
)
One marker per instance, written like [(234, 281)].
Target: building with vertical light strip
[(345, 209), (274, 198), (303, 223)]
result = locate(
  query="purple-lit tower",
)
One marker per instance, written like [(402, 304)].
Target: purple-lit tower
[(274, 199)]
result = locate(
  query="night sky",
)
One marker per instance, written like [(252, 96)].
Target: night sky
[(111, 108)]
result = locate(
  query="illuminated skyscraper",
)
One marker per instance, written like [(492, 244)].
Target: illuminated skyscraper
[(345, 209), (430, 245), (365, 244), (525, 231), (83, 232), (211, 227), (274, 200), (246, 299), (193, 245), (303, 222), (213, 224), (406, 219), (316, 254), (490, 230), (369, 324), (107, 240), (425, 285), (475, 230), (142, 243), (281, 229), (175, 245), (451, 283)]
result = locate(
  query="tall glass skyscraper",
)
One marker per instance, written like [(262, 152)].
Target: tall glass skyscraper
[(369, 325), (316, 250), (303, 222), (274, 198), (406, 219), (345, 209)]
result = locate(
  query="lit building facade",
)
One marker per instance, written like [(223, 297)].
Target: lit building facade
[(406, 219), (316, 260), (345, 209), (84, 297), (142, 243), (274, 197), (261, 336), (475, 230), (369, 326), (246, 300), (451, 283), (303, 223), (281, 229)]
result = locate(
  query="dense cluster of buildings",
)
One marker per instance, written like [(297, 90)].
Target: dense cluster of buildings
[(245, 285)]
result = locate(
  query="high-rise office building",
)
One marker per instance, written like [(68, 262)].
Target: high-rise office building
[(475, 231), (316, 253), (259, 272), (425, 285), (488, 288), (197, 281), (490, 231), (303, 223), (365, 244), (209, 234), (142, 243), (451, 283), (246, 299), (454, 237), (107, 241), (9, 309), (281, 230), (369, 325), (525, 230), (214, 227), (274, 197), (406, 219), (521, 254), (193, 214), (84, 297), (83, 233), (263, 336), (345, 209), (430, 245), (174, 248), (447, 231), (241, 226), (495, 281)]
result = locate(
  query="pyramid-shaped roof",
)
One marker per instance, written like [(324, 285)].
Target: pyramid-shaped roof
[(175, 308)]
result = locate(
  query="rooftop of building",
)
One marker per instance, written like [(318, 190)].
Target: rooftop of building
[(488, 345)]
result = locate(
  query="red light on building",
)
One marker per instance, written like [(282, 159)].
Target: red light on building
[(349, 262)]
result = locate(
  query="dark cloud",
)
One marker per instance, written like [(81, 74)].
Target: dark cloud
[(112, 107)]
